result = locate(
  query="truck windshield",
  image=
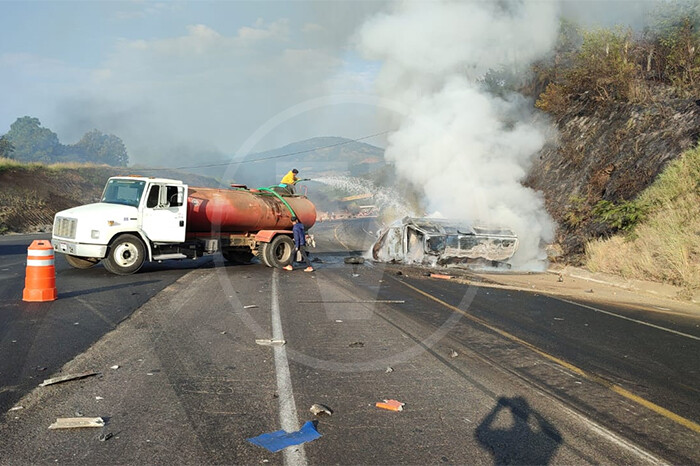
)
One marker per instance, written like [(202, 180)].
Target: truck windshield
[(127, 192)]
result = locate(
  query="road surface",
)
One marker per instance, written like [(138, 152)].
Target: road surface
[(487, 375)]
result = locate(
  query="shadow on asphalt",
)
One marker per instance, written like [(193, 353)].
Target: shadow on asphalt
[(100, 289), (528, 439), (13, 249)]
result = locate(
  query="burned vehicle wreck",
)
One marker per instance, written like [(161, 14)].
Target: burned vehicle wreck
[(444, 242)]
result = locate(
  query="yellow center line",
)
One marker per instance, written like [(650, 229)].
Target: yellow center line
[(590, 376)]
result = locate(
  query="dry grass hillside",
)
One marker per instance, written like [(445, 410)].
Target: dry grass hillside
[(665, 245), (31, 193)]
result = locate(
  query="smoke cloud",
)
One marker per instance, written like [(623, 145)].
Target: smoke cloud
[(467, 149)]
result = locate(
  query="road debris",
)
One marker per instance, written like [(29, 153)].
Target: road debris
[(357, 344), (354, 260), (441, 276), (558, 318), (66, 378), (389, 370), (454, 354), (276, 441), (338, 321), (391, 405), (77, 422), (561, 278), (16, 408), (250, 306), (98, 398), (270, 342), (318, 409), (105, 437), (223, 333), (114, 367)]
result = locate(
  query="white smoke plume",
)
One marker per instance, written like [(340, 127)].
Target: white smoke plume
[(467, 149)]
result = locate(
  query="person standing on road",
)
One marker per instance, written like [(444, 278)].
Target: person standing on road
[(299, 245), (289, 180)]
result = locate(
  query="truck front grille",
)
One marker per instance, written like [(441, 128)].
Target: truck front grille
[(65, 227)]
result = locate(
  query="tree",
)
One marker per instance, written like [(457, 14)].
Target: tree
[(6, 147), (31, 142), (97, 147)]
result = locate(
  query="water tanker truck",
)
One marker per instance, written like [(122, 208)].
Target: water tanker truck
[(142, 219)]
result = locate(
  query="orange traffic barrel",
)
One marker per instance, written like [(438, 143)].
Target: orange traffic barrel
[(40, 281)]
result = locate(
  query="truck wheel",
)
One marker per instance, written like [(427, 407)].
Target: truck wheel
[(262, 254), (126, 255), (81, 262), (278, 252)]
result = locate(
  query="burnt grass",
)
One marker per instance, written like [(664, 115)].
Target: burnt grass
[(607, 151)]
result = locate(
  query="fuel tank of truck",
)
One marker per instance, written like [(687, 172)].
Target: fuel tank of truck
[(243, 210)]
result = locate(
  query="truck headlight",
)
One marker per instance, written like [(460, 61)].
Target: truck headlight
[(95, 234)]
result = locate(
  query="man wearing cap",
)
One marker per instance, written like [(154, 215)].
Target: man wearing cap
[(299, 245), (290, 179)]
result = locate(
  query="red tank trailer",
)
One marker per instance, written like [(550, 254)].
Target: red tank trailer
[(242, 210)]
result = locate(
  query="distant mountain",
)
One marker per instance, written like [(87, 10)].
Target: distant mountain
[(316, 157)]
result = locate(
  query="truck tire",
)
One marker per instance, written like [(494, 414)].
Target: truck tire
[(81, 262), (126, 255), (278, 252)]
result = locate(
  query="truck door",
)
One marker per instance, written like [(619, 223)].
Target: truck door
[(164, 213)]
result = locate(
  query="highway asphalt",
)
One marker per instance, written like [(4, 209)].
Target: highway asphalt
[(488, 376)]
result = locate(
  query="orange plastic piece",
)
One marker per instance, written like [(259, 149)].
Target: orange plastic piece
[(443, 277), (40, 280), (391, 405)]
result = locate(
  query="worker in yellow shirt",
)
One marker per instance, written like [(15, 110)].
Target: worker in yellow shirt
[(290, 179)]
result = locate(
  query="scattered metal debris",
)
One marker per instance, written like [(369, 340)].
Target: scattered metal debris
[(389, 370), (114, 367), (16, 408), (391, 405), (558, 318), (432, 241), (223, 333), (318, 409), (77, 422), (250, 306), (105, 437), (98, 398), (66, 378), (354, 260), (454, 354), (357, 344), (270, 342)]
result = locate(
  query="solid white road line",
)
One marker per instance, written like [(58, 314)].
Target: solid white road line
[(289, 419), (629, 318)]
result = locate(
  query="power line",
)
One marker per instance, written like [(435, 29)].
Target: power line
[(276, 156)]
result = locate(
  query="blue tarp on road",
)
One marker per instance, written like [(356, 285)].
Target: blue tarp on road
[(276, 441)]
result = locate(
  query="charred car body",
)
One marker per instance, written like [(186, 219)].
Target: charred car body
[(432, 241)]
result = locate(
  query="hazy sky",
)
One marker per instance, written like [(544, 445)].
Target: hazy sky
[(178, 80), (171, 77)]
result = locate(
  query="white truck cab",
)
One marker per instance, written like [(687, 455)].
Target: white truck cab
[(134, 216)]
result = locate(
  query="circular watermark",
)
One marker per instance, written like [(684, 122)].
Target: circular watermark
[(412, 346)]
